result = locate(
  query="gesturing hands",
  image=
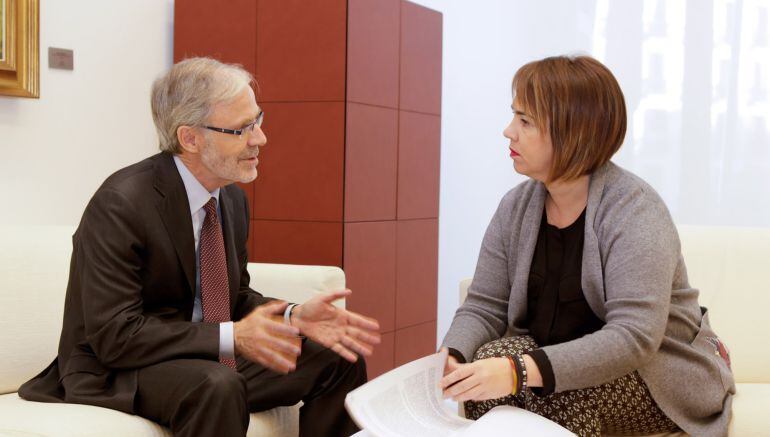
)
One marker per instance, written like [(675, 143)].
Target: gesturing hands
[(344, 332), (260, 337)]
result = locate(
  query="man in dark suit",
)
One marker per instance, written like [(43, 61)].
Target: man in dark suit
[(159, 319)]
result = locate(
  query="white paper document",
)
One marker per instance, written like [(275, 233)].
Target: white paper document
[(407, 401)]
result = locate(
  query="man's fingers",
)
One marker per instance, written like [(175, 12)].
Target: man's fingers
[(362, 349), (335, 295), (364, 336), (362, 322), (282, 345), (276, 362), (344, 352), (273, 307), (280, 328)]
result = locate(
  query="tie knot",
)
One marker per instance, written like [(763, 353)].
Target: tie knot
[(211, 207)]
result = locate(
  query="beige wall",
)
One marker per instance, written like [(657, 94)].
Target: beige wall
[(56, 150)]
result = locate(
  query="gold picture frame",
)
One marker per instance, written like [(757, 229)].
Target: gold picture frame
[(20, 48)]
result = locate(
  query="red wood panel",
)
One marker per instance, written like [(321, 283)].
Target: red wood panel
[(416, 271), (419, 154), (382, 359), (301, 50), (206, 28), (421, 33), (373, 52), (415, 342), (294, 242), (370, 270), (301, 167), (370, 163)]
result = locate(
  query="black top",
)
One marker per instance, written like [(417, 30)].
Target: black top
[(557, 310)]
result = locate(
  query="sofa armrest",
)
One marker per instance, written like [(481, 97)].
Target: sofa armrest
[(296, 283)]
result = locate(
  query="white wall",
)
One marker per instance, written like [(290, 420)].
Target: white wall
[(56, 150), (696, 76)]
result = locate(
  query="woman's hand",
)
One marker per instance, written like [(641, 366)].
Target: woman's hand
[(451, 364), (490, 378)]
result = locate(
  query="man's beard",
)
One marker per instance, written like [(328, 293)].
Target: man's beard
[(223, 167)]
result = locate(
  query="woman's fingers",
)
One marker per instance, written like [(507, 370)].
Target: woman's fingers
[(459, 390), (462, 372)]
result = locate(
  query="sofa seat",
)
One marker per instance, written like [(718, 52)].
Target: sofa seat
[(24, 418)]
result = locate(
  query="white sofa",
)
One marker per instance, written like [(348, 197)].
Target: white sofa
[(34, 264), (727, 265)]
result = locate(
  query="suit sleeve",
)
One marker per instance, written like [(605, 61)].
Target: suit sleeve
[(109, 248)]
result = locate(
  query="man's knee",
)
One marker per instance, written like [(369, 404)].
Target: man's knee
[(222, 383)]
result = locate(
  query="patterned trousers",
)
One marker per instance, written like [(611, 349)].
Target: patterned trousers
[(622, 407)]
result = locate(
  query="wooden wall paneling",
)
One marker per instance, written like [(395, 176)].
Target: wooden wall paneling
[(297, 242), (416, 271), (371, 147), (302, 166), (301, 49), (420, 81), (415, 342), (373, 52), (419, 156), (382, 359), (370, 270), (225, 32)]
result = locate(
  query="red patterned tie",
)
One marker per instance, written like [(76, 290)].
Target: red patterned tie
[(215, 290)]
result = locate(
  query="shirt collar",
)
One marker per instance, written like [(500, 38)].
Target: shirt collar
[(197, 195)]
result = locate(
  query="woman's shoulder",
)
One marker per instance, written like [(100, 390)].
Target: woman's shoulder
[(521, 194), (628, 201)]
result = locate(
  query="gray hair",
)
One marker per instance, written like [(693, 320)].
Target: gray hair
[(187, 93)]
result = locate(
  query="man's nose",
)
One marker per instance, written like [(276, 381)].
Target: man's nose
[(257, 137)]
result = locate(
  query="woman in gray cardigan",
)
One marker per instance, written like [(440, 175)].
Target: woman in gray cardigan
[(580, 309)]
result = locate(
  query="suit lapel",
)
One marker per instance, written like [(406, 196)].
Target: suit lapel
[(174, 210), (228, 229)]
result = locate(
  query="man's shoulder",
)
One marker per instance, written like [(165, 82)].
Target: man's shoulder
[(136, 179)]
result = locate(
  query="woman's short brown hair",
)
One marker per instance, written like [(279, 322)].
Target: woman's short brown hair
[(579, 102)]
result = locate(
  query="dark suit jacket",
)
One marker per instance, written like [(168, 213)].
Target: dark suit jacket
[(132, 284)]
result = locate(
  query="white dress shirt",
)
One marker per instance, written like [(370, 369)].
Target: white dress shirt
[(198, 196)]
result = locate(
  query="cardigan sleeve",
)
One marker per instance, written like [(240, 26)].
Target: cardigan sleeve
[(639, 250), (483, 316)]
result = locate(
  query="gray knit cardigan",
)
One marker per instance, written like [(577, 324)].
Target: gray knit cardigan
[(633, 277)]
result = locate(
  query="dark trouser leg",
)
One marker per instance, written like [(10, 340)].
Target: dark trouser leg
[(193, 398), (321, 381)]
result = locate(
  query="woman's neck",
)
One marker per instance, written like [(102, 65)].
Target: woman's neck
[(566, 200)]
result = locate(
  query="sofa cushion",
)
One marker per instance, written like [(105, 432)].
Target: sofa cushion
[(34, 266), (19, 417)]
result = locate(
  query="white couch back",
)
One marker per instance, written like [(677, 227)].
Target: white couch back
[(727, 265), (34, 266)]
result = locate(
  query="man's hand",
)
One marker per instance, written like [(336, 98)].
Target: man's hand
[(490, 378), (263, 340), (342, 331)]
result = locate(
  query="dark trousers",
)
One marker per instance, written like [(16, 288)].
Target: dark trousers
[(205, 398)]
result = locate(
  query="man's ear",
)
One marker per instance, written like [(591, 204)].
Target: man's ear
[(189, 138)]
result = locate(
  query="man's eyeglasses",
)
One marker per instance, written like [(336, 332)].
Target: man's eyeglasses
[(249, 128)]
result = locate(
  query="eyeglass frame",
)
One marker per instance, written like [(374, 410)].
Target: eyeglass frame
[(249, 127)]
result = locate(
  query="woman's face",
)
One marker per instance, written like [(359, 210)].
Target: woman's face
[(530, 149)]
